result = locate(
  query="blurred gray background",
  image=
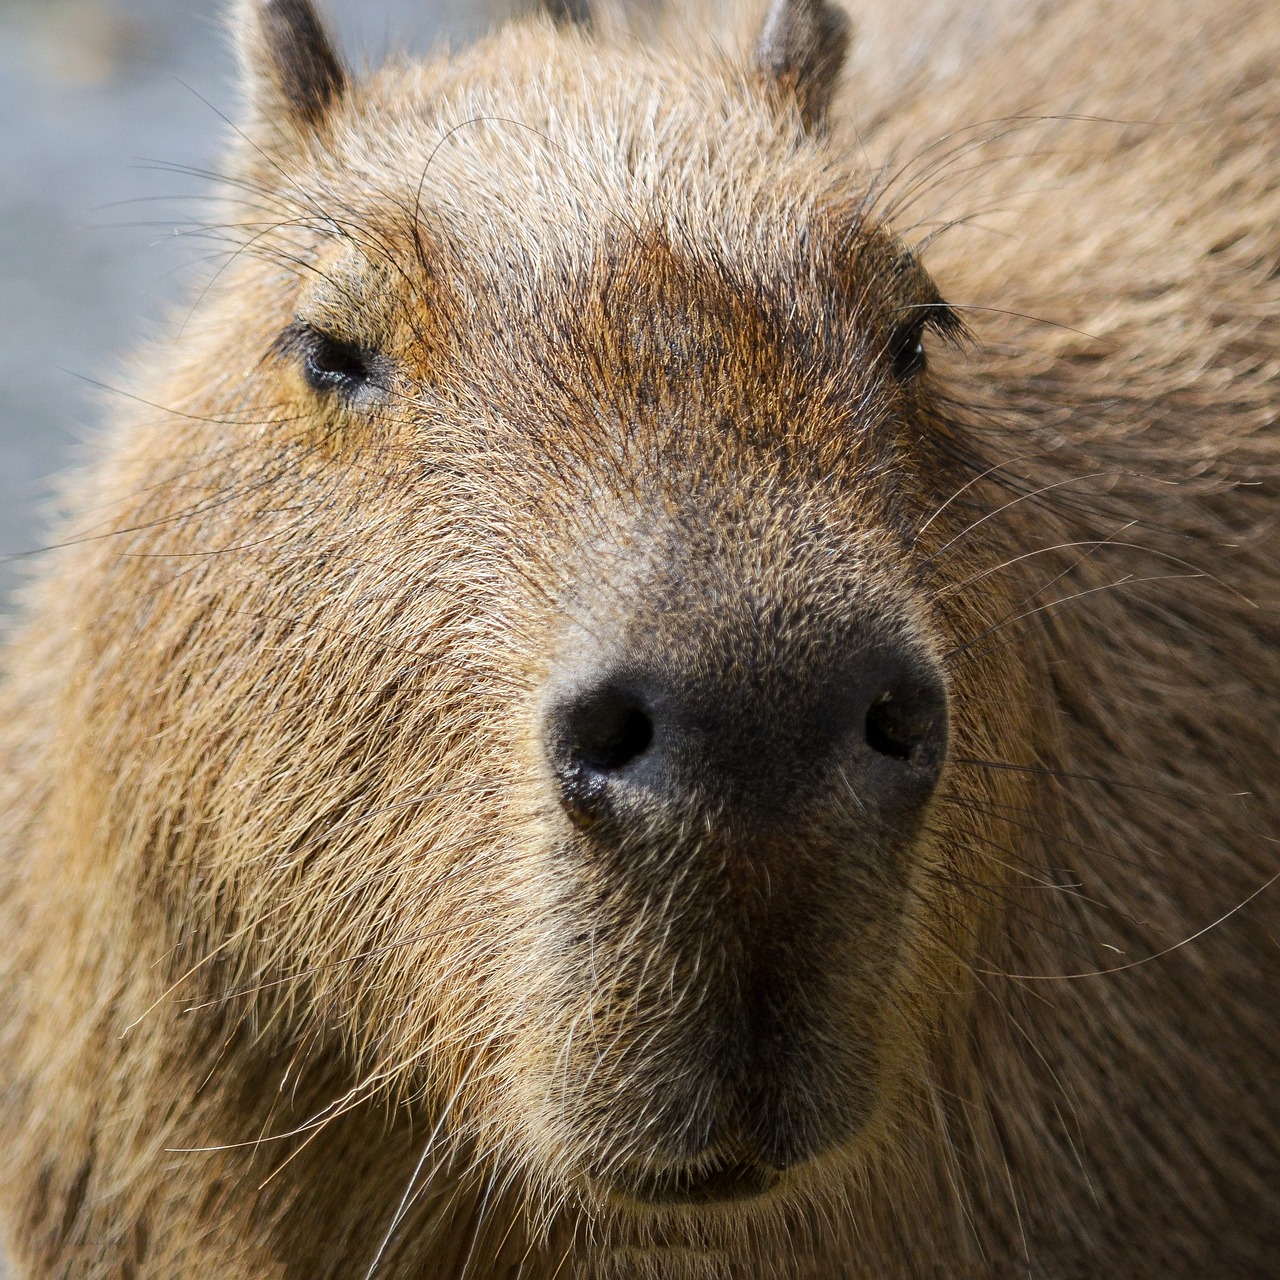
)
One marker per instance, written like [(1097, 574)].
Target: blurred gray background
[(97, 99)]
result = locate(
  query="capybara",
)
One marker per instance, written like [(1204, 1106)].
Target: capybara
[(671, 671)]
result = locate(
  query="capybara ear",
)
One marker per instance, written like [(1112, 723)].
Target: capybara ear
[(290, 74), (571, 13), (802, 50)]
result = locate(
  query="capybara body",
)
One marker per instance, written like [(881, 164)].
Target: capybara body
[(672, 673)]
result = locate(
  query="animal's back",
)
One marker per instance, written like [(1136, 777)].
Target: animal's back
[(293, 851)]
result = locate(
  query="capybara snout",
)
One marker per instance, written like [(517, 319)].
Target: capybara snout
[(745, 711), (743, 763)]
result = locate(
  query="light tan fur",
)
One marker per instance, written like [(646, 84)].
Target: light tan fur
[(304, 971)]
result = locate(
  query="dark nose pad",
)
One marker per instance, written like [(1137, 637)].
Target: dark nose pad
[(641, 745)]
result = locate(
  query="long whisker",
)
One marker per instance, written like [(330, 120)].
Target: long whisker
[(1144, 960)]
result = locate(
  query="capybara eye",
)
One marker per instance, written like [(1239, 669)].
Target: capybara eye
[(332, 365), (906, 352)]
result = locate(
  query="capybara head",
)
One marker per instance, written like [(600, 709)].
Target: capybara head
[(565, 601), (570, 541), (567, 554)]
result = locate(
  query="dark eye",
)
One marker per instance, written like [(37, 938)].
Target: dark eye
[(906, 351), (332, 365)]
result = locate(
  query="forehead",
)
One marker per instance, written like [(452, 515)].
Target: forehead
[(534, 148)]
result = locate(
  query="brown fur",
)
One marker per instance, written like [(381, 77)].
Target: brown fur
[(305, 972)]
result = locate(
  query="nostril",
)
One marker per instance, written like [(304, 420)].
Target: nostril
[(608, 732), (900, 722), (592, 736)]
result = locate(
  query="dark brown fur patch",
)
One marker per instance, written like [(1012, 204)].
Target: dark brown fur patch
[(75, 1200)]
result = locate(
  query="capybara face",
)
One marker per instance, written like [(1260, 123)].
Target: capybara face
[(582, 725), (570, 563)]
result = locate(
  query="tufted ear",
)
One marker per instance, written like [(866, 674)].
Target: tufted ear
[(802, 49), (570, 13), (290, 75)]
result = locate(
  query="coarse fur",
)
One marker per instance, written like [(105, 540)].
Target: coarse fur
[(306, 972)]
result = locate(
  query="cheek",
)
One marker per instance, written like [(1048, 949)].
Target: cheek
[(990, 799)]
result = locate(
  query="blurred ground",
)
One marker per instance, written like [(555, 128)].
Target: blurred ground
[(97, 97)]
